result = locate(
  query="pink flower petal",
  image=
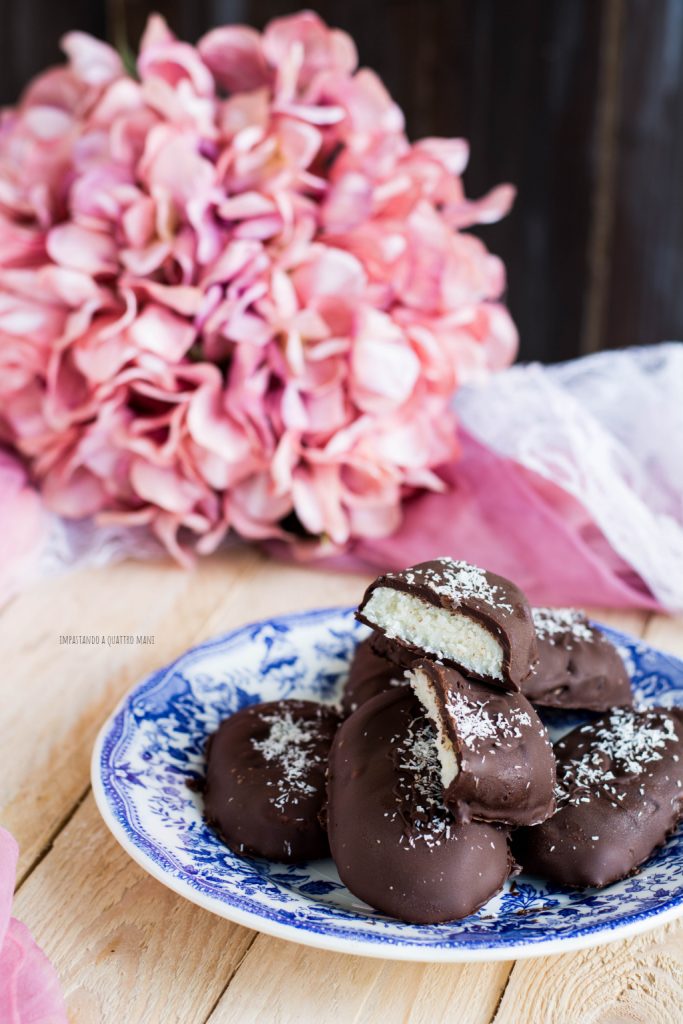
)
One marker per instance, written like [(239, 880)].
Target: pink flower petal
[(166, 527), (369, 108), (385, 369), (311, 114), (79, 248), (19, 245), (138, 222), (330, 272), (318, 502), (452, 153), (93, 61), (173, 163), (491, 208), (159, 330), (157, 33), (348, 202), (175, 62), (244, 111), (164, 487), (184, 299), (254, 508), (212, 427), (29, 987), (23, 529), (9, 853), (323, 48), (298, 143), (248, 204), (375, 521), (74, 495), (235, 57)]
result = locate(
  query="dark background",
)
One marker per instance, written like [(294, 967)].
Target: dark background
[(577, 102)]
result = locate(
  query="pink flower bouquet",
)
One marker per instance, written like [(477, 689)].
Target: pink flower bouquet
[(233, 295)]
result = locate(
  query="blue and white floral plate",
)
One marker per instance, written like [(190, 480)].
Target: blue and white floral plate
[(154, 743)]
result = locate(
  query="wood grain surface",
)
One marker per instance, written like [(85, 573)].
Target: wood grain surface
[(126, 948)]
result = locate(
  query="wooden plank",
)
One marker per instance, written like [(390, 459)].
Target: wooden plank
[(132, 950), (666, 631), (83, 683), (125, 947), (639, 981), (115, 958), (283, 983), (522, 85), (633, 622), (31, 30), (606, 160), (76, 686), (644, 265), (126, 19)]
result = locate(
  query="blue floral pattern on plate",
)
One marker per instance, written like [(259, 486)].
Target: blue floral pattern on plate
[(154, 744)]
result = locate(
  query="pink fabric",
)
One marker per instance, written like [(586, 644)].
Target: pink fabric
[(29, 986), (500, 515)]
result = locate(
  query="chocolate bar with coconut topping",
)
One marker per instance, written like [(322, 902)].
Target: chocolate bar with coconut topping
[(369, 674), (577, 666), (496, 758), (458, 614), (619, 795), (394, 842), (265, 779)]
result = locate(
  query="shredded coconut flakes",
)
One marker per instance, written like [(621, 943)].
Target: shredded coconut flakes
[(554, 623), (628, 742), (290, 744), (474, 722), (420, 789), (457, 581)]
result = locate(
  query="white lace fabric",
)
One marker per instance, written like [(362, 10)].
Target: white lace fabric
[(608, 429)]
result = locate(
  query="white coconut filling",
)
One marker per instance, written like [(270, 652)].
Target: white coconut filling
[(424, 691), (438, 631)]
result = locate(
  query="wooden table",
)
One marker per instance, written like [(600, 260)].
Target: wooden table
[(127, 949)]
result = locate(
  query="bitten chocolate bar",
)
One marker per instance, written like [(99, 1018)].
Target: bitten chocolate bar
[(497, 761), (458, 614), (394, 842), (369, 674)]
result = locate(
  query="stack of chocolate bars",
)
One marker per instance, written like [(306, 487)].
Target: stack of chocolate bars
[(436, 779)]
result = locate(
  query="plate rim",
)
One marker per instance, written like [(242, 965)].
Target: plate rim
[(586, 938)]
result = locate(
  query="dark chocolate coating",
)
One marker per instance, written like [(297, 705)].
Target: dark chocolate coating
[(264, 791), (620, 793), (506, 765), (577, 665), (393, 651), (493, 601), (369, 675), (395, 844)]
